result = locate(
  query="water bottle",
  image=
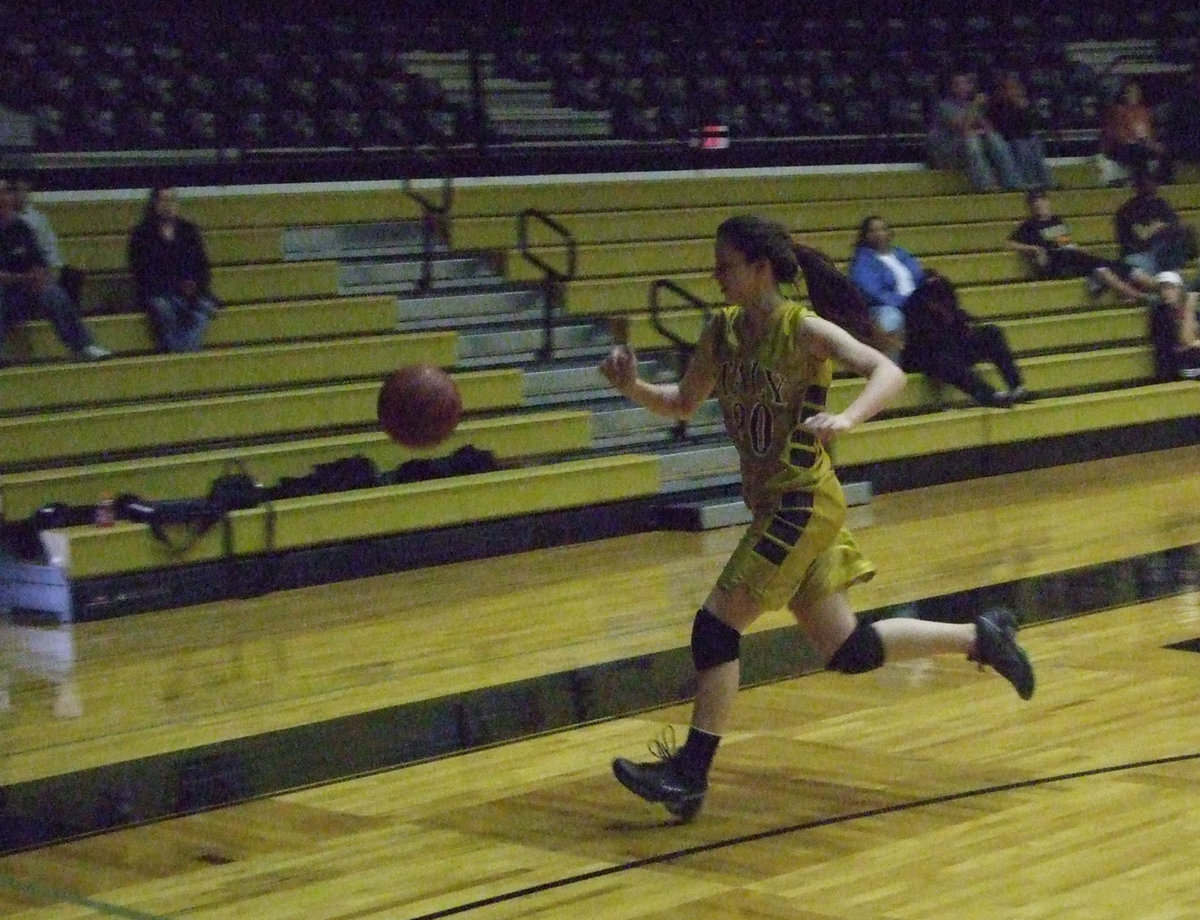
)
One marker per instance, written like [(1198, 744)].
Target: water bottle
[(105, 511)]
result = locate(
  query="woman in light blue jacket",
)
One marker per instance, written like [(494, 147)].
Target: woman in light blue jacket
[(886, 274), (919, 311)]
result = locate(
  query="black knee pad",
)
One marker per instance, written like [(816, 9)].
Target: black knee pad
[(713, 642), (861, 652)]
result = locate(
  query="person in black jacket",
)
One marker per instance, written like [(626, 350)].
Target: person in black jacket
[(942, 342), (28, 288), (171, 274), (1045, 239), (1151, 234)]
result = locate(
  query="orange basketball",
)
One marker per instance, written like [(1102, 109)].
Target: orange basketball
[(419, 405)]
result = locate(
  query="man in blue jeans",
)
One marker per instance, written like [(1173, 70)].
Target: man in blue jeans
[(961, 135), (28, 289)]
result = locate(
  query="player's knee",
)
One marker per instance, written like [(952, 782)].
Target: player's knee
[(713, 642), (861, 652)]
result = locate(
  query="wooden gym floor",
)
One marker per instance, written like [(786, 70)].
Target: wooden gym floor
[(922, 790)]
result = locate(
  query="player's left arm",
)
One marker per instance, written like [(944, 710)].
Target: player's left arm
[(884, 379)]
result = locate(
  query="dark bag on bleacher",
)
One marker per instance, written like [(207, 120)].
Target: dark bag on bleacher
[(463, 462), (236, 489), (181, 522), (357, 472)]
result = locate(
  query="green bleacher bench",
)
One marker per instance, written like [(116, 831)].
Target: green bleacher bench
[(113, 292), (241, 246), (934, 433), (297, 207), (39, 387), (1063, 331), (508, 437), (112, 431), (241, 324), (641, 217), (311, 521)]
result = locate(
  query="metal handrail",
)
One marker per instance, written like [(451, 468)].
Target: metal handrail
[(683, 348), (435, 224), (552, 277), (660, 284)]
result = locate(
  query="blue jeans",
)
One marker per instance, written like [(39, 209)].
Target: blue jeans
[(889, 319), (17, 302), (988, 156), (1030, 156), (179, 322)]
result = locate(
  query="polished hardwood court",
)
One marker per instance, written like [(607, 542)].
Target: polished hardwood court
[(926, 789)]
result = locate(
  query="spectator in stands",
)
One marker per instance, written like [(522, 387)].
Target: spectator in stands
[(1174, 328), (1010, 113), (171, 274), (1128, 136), (28, 288), (69, 277), (1152, 237), (920, 308), (962, 135), (1045, 239)]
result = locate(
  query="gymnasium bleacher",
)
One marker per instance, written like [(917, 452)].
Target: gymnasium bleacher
[(523, 284), (287, 390)]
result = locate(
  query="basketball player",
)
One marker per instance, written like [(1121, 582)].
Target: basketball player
[(768, 359)]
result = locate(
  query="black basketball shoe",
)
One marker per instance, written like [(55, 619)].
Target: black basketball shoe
[(996, 646), (661, 780)]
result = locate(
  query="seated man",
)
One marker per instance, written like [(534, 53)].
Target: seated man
[(961, 135), (171, 273), (1152, 237), (70, 278), (920, 309), (1046, 239), (28, 289)]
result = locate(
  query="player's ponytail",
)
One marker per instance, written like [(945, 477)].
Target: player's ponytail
[(834, 296)]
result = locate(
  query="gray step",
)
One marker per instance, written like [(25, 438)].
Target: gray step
[(341, 241), (729, 511), (468, 308), (578, 382), (699, 466), (523, 344), (625, 425), (383, 276), (568, 383)]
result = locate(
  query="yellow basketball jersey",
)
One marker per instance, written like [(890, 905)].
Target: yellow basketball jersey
[(765, 390)]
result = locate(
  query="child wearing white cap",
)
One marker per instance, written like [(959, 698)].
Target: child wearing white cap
[(1180, 308)]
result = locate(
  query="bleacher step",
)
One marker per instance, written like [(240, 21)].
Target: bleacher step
[(729, 510), (341, 241), (620, 424), (468, 308), (381, 276), (575, 381), (524, 343)]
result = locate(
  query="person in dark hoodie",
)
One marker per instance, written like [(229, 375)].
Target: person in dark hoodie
[(171, 274)]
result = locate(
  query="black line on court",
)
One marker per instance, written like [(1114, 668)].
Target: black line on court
[(796, 828)]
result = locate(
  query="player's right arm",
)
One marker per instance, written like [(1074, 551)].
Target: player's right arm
[(671, 400)]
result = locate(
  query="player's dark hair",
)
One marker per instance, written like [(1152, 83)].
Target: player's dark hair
[(758, 238), (834, 296)]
